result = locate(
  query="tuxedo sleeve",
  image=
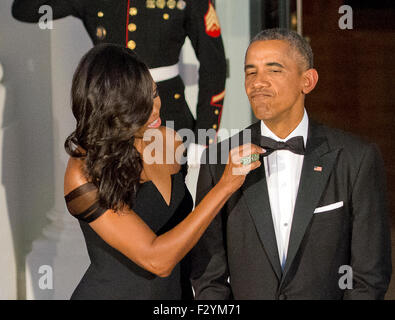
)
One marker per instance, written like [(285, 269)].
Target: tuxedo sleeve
[(209, 269), (28, 10), (371, 244), (203, 29)]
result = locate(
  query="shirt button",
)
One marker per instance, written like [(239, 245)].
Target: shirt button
[(214, 126), (100, 14), (133, 11), (166, 16), (216, 111), (285, 224), (131, 45), (132, 27), (177, 96)]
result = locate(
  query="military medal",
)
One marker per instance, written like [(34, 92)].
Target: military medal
[(181, 4), (160, 3), (101, 32), (171, 4), (150, 4)]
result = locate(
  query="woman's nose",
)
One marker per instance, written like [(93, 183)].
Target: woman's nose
[(157, 105)]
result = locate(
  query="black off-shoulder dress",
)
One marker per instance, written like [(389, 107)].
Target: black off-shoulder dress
[(111, 275)]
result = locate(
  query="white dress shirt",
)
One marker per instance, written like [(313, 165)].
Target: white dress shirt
[(283, 169)]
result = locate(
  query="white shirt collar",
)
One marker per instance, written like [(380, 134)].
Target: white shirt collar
[(300, 130)]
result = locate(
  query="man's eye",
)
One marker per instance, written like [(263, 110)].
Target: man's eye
[(275, 70)]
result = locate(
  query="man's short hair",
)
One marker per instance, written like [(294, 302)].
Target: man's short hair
[(296, 41)]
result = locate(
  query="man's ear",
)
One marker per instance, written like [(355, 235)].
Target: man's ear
[(310, 79)]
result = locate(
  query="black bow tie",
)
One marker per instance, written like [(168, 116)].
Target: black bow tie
[(295, 145)]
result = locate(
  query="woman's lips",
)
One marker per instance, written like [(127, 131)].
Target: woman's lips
[(155, 124)]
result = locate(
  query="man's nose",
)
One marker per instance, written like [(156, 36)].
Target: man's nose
[(261, 81)]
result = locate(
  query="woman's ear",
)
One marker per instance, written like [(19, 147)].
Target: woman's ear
[(310, 79)]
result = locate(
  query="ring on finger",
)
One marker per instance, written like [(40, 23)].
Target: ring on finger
[(249, 159)]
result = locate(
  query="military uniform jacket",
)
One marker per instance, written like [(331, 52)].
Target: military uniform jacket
[(156, 31)]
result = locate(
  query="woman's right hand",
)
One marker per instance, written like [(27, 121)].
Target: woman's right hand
[(235, 172)]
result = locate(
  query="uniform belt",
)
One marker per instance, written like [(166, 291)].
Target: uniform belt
[(164, 73)]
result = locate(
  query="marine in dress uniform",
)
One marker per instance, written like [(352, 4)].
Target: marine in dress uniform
[(156, 31)]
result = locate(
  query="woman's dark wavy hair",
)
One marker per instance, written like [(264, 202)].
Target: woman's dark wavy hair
[(112, 98)]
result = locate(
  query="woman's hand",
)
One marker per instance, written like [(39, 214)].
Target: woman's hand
[(239, 165)]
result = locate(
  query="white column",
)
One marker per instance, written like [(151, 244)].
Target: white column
[(59, 258), (8, 129), (235, 26)]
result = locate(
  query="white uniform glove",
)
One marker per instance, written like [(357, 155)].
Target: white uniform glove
[(194, 154)]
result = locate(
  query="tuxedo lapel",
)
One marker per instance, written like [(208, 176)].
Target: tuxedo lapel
[(257, 198), (318, 163)]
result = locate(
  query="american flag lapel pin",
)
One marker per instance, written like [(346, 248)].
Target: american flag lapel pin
[(318, 168)]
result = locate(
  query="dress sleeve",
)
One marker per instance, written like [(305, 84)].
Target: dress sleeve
[(83, 203), (28, 10)]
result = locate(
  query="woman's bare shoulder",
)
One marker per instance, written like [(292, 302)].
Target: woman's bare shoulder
[(74, 175)]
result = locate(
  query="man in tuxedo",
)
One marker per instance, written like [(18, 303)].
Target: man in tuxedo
[(312, 221)]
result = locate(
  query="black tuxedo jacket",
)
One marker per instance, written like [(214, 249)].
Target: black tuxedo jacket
[(237, 257)]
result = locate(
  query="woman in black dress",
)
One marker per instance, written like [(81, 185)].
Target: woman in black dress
[(136, 214)]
